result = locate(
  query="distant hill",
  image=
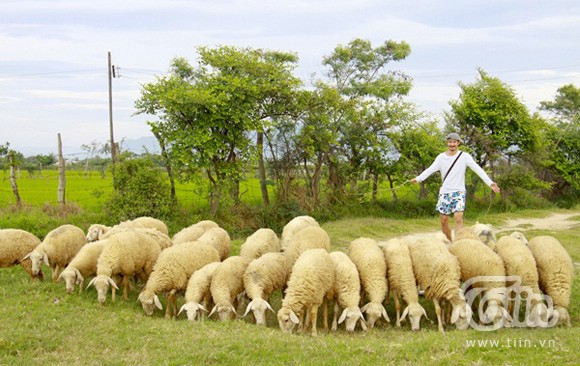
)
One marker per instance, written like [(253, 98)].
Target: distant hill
[(138, 146)]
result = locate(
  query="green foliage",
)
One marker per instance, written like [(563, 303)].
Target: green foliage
[(141, 189)]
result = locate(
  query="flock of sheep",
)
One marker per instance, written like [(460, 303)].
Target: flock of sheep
[(196, 262)]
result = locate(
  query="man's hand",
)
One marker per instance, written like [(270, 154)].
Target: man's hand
[(494, 187), (414, 181)]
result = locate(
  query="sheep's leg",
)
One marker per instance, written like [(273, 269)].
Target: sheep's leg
[(304, 319), (438, 312), (55, 273), (325, 314), (335, 316), (125, 283), (168, 297), (313, 315), (398, 308)]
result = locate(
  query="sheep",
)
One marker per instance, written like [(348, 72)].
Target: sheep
[(519, 261), (438, 235), (96, 231), (519, 236), (485, 233), (476, 259), (226, 284), (261, 242), (346, 292), (14, 245), (402, 283), (172, 271), (83, 265), (310, 282), (57, 249), (128, 253), (311, 237), (370, 262), (219, 239), (197, 293), (194, 231), (556, 272), (263, 276), (160, 238), (293, 226), (437, 272)]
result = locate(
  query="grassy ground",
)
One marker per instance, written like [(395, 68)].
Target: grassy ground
[(41, 324)]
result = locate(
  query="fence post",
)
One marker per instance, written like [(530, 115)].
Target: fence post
[(61, 174)]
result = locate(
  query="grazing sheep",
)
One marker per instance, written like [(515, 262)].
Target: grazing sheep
[(476, 259), (83, 265), (346, 293), (465, 232), (219, 239), (437, 272), (293, 226), (197, 294), (172, 271), (402, 283), (438, 235), (97, 231), (193, 232), (160, 238), (556, 272), (370, 262), (311, 237), (311, 280), (226, 284), (261, 242), (128, 253), (264, 275), (57, 249), (14, 245), (519, 261)]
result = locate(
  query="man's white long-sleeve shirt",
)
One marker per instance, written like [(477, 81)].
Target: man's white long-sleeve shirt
[(456, 179)]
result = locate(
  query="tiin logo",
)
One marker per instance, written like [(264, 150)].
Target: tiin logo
[(501, 299)]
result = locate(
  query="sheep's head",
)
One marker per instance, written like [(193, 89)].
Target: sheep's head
[(37, 257), (539, 315), (495, 313), (259, 307), (520, 236), (71, 276), (374, 311), (225, 311), (192, 310), (102, 284), (149, 301), (461, 315), (415, 312), (485, 233), (352, 315), (561, 314), (95, 232), (287, 319)]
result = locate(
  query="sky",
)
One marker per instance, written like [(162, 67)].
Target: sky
[(53, 53)]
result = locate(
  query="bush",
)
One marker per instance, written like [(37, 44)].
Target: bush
[(141, 189)]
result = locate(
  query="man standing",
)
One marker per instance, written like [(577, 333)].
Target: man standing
[(452, 165)]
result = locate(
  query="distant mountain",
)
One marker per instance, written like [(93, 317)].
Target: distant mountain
[(141, 145), (138, 146)]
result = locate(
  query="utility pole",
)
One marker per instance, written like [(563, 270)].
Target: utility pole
[(110, 69)]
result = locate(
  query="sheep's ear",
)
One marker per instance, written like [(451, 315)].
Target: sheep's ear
[(92, 282), (248, 308), (269, 306), (405, 312), (100, 233), (425, 313), (342, 316), (294, 318), (80, 277), (455, 315), (112, 283), (363, 323), (364, 308), (183, 307), (200, 306), (45, 259), (385, 315), (233, 309), (157, 302), (26, 257), (507, 315), (212, 311)]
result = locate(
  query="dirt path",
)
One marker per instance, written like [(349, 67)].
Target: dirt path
[(553, 222)]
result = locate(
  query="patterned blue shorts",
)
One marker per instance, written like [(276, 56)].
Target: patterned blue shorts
[(449, 203)]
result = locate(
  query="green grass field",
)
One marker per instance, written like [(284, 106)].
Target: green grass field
[(41, 324)]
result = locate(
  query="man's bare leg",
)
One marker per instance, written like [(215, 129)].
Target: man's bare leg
[(458, 216), (445, 226)]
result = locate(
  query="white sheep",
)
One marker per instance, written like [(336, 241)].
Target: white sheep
[(437, 272), (402, 283), (486, 233), (260, 242), (57, 249), (127, 254), (476, 259), (219, 239), (293, 226), (264, 275), (197, 293), (556, 272), (97, 231), (311, 237), (194, 231), (14, 245), (346, 293), (519, 261), (370, 262), (311, 280), (226, 284), (160, 238), (172, 271), (83, 265)]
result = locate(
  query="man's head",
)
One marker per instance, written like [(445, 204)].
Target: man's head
[(453, 142), (454, 136)]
